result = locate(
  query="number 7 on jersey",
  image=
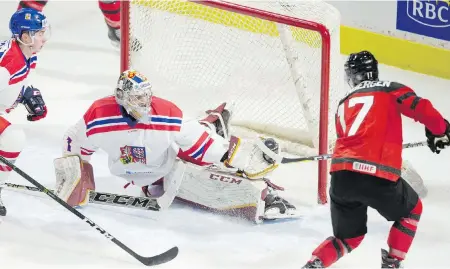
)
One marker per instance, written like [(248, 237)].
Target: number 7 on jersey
[(366, 101)]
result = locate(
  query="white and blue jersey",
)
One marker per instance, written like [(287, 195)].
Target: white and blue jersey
[(148, 149), (14, 72)]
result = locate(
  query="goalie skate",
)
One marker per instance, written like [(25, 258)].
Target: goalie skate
[(278, 208)]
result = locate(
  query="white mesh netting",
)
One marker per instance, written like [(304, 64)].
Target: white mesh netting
[(198, 57)]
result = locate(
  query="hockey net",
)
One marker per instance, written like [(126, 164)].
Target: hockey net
[(276, 64)]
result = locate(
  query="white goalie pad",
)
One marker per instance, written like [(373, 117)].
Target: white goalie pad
[(74, 179), (68, 174), (414, 179), (223, 193)]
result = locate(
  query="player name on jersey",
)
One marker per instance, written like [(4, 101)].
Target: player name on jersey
[(372, 84)]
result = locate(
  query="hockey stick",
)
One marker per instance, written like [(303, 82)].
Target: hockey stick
[(104, 198), (149, 261), (284, 160)]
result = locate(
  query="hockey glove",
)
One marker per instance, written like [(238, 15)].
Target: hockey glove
[(438, 142), (35, 105), (248, 158)]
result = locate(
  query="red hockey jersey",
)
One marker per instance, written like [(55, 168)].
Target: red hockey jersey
[(369, 127)]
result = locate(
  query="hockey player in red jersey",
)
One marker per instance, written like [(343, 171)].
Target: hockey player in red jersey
[(367, 158), (110, 10)]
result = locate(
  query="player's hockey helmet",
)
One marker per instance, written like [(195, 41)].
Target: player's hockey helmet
[(360, 67), (134, 93), (28, 19)]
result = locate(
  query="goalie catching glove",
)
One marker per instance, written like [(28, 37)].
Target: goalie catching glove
[(74, 180), (249, 158)]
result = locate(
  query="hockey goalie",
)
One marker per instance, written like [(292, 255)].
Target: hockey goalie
[(150, 144)]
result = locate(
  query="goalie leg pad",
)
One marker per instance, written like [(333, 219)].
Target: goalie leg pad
[(414, 179), (223, 193), (74, 180)]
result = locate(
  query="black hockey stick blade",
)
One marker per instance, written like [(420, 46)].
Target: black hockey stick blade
[(159, 259)]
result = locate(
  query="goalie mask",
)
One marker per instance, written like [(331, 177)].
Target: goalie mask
[(134, 93)]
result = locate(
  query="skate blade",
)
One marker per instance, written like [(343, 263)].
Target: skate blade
[(277, 217)]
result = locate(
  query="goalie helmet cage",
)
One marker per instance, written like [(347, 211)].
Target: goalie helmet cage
[(179, 42)]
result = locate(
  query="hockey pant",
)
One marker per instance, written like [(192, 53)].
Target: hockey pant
[(351, 193), (12, 140)]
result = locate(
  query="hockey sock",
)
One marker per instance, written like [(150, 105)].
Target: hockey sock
[(111, 11), (332, 249), (402, 233), (38, 5)]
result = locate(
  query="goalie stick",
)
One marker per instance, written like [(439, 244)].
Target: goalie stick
[(104, 198), (149, 261), (278, 158)]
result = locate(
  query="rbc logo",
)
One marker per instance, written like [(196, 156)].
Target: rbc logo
[(424, 17), (430, 13)]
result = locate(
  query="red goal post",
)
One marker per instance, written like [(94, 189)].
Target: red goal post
[(322, 112)]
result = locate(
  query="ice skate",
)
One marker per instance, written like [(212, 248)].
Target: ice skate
[(278, 208), (114, 36), (316, 263), (389, 262)]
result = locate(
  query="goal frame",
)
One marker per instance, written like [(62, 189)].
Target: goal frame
[(274, 17)]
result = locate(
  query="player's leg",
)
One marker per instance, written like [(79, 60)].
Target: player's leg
[(12, 140), (401, 204), (349, 218), (111, 13), (38, 5)]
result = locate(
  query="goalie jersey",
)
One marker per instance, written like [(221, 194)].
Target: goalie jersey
[(143, 149)]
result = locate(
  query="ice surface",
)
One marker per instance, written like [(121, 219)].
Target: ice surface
[(78, 65)]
